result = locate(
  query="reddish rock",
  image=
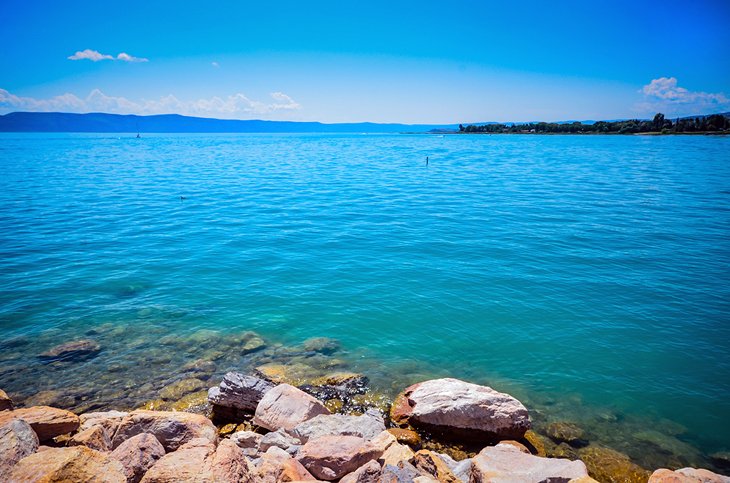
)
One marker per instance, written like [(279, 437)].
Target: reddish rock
[(277, 465), (406, 436), (5, 402), (47, 422), (432, 464), (137, 455), (93, 437), (285, 406), (108, 420), (495, 463), (17, 440), (331, 457), (460, 409), (228, 464), (368, 473), (687, 475), (74, 464), (172, 429)]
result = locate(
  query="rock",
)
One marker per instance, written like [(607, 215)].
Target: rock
[(246, 439), (47, 422), (17, 440), (253, 344), (198, 461), (227, 429), (196, 402), (367, 473), (406, 436), (74, 464), (506, 463), (108, 420), (721, 459), (137, 455), (71, 351), (277, 465), (395, 454), (404, 472), (5, 402), (565, 432), (331, 457), (93, 437), (295, 374), (687, 475), (172, 429), (323, 345), (334, 405), (56, 399), (607, 465), (239, 391), (518, 445), (431, 463), (563, 450), (280, 439), (201, 368), (340, 383), (366, 426), (285, 407), (537, 443), (456, 408), (178, 389)]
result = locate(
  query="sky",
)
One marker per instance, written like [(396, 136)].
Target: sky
[(379, 61)]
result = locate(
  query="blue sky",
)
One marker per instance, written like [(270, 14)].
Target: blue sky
[(340, 61)]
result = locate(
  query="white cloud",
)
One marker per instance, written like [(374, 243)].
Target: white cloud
[(128, 58), (665, 95), (215, 64), (96, 56), (91, 55), (236, 106)]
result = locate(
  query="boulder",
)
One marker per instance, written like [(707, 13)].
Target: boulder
[(285, 407), (108, 420), (247, 441), (403, 472), (71, 351), (280, 439), (5, 402), (47, 422), (687, 475), (494, 463), (433, 464), (323, 345), (455, 408), (17, 440), (332, 457), (172, 429), (137, 455), (77, 463), (239, 391), (606, 464), (406, 436), (93, 437), (367, 473), (198, 461), (366, 426), (565, 432), (276, 465)]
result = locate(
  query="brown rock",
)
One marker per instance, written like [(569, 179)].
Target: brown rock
[(196, 402), (429, 462), (5, 402), (74, 464), (278, 466), (47, 422), (71, 351), (172, 429), (17, 440), (108, 420), (504, 462), (285, 407), (368, 473), (687, 475), (537, 443), (610, 466), (565, 432), (228, 464), (406, 436), (137, 455), (331, 457), (459, 409), (184, 465), (93, 437)]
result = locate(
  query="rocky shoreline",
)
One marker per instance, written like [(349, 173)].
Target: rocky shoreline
[(256, 427)]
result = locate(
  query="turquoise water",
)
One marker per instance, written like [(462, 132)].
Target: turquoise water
[(587, 275)]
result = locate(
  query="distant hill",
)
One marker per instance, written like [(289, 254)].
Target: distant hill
[(174, 123)]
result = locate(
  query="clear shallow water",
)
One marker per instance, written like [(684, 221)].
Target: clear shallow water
[(587, 275)]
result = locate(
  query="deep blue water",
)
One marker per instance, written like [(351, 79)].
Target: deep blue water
[(582, 273)]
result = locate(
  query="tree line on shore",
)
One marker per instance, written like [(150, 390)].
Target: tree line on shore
[(712, 123)]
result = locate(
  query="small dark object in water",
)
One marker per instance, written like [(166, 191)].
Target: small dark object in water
[(182, 198), (426, 160)]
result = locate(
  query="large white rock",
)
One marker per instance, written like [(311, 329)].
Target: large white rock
[(687, 475), (285, 406), (366, 426), (461, 409), (507, 464)]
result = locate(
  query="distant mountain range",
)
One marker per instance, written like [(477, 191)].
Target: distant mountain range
[(174, 123)]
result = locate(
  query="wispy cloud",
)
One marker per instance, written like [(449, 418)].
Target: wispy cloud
[(236, 106), (215, 64), (96, 56), (665, 95)]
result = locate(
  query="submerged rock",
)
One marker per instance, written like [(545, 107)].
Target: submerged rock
[(323, 345), (285, 407), (565, 432), (610, 466), (47, 422), (456, 408), (17, 440), (178, 389), (687, 475), (505, 462), (172, 429), (71, 351), (77, 463)]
